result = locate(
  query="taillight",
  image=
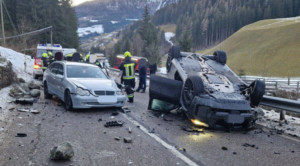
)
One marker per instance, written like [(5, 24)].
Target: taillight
[(37, 63), (36, 66)]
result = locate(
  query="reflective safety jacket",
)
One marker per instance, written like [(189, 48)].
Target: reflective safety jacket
[(128, 68)]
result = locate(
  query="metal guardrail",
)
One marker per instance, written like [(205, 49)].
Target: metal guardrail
[(281, 103), (270, 101)]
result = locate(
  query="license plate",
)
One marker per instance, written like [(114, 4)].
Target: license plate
[(107, 100)]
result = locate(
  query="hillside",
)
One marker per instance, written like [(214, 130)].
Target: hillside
[(266, 48), (113, 14), (209, 22)]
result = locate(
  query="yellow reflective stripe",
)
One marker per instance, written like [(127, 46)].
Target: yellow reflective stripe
[(130, 95), (129, 67), (128, 77)]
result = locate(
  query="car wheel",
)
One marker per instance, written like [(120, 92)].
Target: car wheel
[(220, 57), (257, 90), (174, 52), (68, 101), (169, 63), (46, 93), (193, 86)]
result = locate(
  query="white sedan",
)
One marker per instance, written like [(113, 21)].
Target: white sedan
[(81, 85)]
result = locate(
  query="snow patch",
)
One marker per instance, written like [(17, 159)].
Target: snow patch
[(168, 36), (94, 21), (22, 66), (114, 22), (131, 19), (88, 30), (271, 120)]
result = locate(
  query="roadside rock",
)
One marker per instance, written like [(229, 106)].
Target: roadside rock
[(127, 140), (33, 85), (63, 151), (35, 92), (7, 75)]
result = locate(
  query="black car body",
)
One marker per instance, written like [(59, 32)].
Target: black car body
[(206, 89)]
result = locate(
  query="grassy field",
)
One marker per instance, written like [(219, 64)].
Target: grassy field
[(265, 48), (168, 28)]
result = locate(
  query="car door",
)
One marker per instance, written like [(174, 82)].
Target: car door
[(58, 79), (50, 78), (164, 93)]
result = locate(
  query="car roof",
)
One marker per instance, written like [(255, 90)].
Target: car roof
[(76, 63)]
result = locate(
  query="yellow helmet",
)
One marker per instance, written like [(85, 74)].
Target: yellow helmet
[(127, 54), (50, 53), (45, 55)]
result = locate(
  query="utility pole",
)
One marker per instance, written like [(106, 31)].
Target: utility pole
[(2, 22)]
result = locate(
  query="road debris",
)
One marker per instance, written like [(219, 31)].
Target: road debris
[(192, 129), (125, 110), (118, 138), (114, 124), (152, 130), (129, 130), (248, 145), (63, 151), (100, 119), (31, 110), (115, 113), (234, 153), (224, 148), (24, 101), (21, 135), (127, 140)]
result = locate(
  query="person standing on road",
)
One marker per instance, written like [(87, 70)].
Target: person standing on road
[(142, 75), (153, 68), (44, 61), (127, 69)]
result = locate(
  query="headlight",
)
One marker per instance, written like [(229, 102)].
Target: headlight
[(82, 92), (119, 93)]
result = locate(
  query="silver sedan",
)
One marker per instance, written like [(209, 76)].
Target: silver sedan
[(81, 85)]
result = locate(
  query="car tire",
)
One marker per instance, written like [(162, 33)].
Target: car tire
[(46, 93), (174, 52), (220, 57), (68, 101), (193, 86), (257, 90)]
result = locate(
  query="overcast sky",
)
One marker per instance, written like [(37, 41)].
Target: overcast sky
[(77, 2)]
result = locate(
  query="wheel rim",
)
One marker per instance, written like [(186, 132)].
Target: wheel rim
[(188, 93)]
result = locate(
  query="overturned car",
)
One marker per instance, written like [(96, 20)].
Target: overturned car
[(208, 91)]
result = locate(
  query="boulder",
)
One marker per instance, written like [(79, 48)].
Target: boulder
[(63, 151), (33, 85), (35, 93)]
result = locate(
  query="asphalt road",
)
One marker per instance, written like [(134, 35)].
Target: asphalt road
[(165, 144)]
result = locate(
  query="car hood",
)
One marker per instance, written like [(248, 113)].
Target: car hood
[(94, 84)]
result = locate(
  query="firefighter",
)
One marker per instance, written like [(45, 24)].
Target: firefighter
[(44, 61), (127, 69), (98, 63), (87, 58), (50, 57), (69, 57)]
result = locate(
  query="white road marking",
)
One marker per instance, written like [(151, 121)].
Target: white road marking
[(171, 148)]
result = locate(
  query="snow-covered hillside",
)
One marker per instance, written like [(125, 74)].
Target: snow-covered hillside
[(22, 66)]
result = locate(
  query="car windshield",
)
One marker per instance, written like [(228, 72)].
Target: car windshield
[(76, 71)]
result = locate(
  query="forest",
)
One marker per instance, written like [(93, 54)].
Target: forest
[(22, 16), (209, 22)]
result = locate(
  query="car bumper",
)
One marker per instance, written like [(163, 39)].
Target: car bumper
[(81, 102), (38, 72)]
